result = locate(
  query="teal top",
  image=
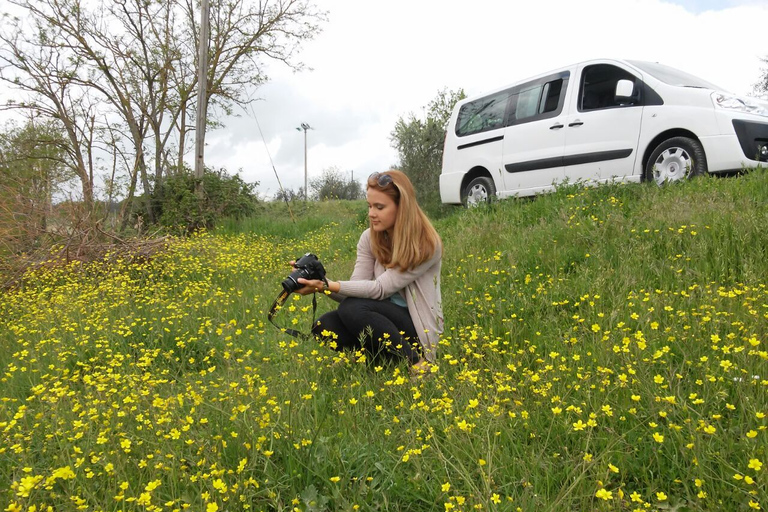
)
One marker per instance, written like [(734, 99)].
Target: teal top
[(398, 299)]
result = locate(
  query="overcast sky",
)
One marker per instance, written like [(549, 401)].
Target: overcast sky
[(378, 61)]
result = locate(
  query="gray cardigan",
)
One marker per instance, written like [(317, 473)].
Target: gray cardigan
[(420, 286)]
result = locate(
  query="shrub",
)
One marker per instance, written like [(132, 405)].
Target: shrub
[(222, 196)]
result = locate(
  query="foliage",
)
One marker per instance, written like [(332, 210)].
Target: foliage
[(605, 349), (30, 170), (121, 77), (761, 87), (288, 195), (332, 184), (419, 143), (223, 196)]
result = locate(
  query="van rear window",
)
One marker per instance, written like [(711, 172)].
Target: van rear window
[(538, 99), (482, 115)]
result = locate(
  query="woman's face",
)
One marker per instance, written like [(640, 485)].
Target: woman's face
[(382, 210)]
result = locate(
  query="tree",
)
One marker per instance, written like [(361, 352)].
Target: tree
[(332, 185), (289, 195), (122, 75), (31, 168), (761, 87), (419, 144)]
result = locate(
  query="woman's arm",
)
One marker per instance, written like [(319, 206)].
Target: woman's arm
[(364, 271), (391, 281), (363, 282)]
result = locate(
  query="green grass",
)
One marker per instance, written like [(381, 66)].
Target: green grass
[(605, 349)]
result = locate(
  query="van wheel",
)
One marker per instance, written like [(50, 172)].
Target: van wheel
[(480, 190), (676, 159)]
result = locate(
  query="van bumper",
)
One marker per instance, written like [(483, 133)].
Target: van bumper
[(726, 154), (450, 187), (753, 139)]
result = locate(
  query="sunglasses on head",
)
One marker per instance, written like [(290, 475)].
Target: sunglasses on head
[(382, 179)]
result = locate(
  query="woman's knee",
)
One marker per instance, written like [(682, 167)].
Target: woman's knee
[(353, 306), (326, 324)]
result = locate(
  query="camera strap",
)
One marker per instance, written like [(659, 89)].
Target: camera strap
[(279, 301)]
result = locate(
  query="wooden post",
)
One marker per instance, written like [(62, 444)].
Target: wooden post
[(202, 95)]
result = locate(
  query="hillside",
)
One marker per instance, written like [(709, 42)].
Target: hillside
[(605, 349)]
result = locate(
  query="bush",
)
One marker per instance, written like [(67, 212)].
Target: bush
[(223, 195)]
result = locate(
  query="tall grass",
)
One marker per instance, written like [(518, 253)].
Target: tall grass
[(605, 349)]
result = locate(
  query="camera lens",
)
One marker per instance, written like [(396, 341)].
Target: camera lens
[(308, 267), (291, 283)]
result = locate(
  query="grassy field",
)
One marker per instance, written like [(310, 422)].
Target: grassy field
[(605, 349)]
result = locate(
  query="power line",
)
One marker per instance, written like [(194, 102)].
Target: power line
[(279, 184)]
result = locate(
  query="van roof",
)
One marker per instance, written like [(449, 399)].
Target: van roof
[(666, 74)]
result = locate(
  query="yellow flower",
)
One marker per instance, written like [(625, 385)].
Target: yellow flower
[(661, 496), (335, 479), (604, 494), (211, 507), (755, 464), (446, 487), (659, 438)]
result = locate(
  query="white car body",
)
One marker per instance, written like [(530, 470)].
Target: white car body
[(579, 130)]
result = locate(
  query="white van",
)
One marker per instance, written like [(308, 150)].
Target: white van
[(598, 121)]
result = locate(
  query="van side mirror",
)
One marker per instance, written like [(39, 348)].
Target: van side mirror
[(625, 92)]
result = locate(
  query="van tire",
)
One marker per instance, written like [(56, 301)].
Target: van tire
[(676, 159), (480, 190)]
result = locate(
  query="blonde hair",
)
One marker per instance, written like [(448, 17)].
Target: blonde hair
[(414, 240)]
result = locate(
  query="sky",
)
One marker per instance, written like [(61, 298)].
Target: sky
[(376, 62)]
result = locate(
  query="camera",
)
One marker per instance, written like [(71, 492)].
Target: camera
[(308, 267)]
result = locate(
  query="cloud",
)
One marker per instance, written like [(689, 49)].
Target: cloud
[(376, 62)]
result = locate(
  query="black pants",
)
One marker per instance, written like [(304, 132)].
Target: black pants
[(375, 325)]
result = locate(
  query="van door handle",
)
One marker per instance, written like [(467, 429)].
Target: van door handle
[(576, 123), (556, 126)]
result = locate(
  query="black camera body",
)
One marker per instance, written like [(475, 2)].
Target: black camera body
[(307, 267)]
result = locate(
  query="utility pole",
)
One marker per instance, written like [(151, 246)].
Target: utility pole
[(305, 127), (202, 95)]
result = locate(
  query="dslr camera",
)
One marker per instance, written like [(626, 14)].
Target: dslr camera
[(308, 267)]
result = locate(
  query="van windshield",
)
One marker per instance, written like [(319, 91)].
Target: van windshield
[(673, 76)]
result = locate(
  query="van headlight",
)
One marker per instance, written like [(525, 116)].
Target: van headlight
[(739, 103)]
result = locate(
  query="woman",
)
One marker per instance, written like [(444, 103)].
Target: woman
[(392, 301)]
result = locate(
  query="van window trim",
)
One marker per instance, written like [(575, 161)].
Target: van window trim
[(539, 82), (516, 89), (648, 96)]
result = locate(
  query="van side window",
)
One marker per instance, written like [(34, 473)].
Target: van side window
[(598, 87), (482, 115), (536, 100)]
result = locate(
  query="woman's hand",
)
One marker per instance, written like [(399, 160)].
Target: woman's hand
[(313, 285), (310, 286)]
